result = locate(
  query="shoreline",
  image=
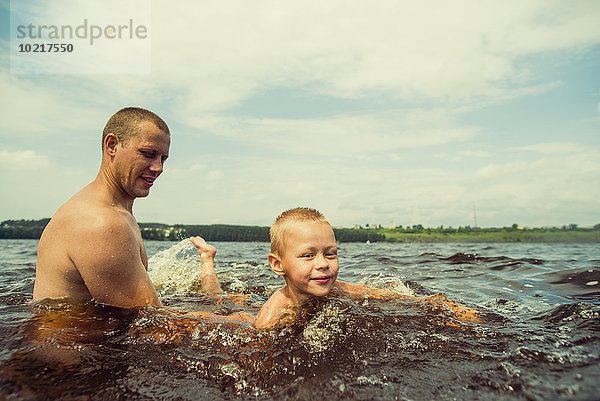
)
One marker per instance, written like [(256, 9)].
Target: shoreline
[(32, 229)]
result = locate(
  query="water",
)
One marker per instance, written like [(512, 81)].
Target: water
[(539, 341)]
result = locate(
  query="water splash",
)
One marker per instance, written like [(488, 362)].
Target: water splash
[(176, 269), (324, 329), (389, 283)]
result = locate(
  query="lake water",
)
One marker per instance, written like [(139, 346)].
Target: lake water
[(540, 338)]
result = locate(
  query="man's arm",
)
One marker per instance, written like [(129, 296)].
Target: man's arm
[(108, 257)]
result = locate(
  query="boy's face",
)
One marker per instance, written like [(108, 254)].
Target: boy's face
[(309, 263)]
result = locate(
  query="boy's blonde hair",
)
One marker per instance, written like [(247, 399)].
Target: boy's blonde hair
[(285, 219)]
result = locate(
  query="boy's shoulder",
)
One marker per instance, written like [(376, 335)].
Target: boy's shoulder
[(272, 311)]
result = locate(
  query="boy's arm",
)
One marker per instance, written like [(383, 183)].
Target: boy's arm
[(361, 291), (234, 317), (461, 312)]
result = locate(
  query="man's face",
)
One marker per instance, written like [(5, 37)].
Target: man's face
[(310, 261), (139, 162)]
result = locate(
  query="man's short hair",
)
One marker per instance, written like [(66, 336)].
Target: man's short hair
[(125, 123), (287, 218)]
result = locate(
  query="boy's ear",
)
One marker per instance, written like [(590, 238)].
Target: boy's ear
[(275, 263)]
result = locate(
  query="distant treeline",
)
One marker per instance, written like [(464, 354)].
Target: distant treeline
[(567, 234), (224, 232), (32, 229), (22, 229)]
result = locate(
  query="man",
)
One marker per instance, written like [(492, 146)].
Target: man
[(92, 248)]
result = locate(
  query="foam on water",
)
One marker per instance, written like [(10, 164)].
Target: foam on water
[(175, 269), (323, 330)]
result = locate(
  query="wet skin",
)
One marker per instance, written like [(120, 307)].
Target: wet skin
[(310, 263), (92, 248)]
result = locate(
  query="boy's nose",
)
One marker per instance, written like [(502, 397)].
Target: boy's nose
[(321, 261)]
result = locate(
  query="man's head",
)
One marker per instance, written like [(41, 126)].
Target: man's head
[(304, 253), (125, 124), (135, 145)]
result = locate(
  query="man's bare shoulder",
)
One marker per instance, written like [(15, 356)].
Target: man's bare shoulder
[(102, 243), (81, 232), (81, 217), (81, 229)]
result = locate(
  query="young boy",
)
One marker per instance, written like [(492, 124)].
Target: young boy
[(304, 253)]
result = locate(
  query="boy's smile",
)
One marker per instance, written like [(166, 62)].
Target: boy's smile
[(322, 280), (310, 263)]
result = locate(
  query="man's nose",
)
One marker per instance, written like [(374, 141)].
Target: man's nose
[(157, 166)]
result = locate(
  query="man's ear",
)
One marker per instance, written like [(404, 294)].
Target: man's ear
[(275, 263), (110, 144)]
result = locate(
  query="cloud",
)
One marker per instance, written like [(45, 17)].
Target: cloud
[(552, 148), (549, 186), (35, 186), (452, 52), (41, 106), (419, 68), (216, 55), (22, 159), (534, 192), (475, 153), (343, 136)]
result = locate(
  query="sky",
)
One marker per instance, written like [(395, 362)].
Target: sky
[(383, 112)]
